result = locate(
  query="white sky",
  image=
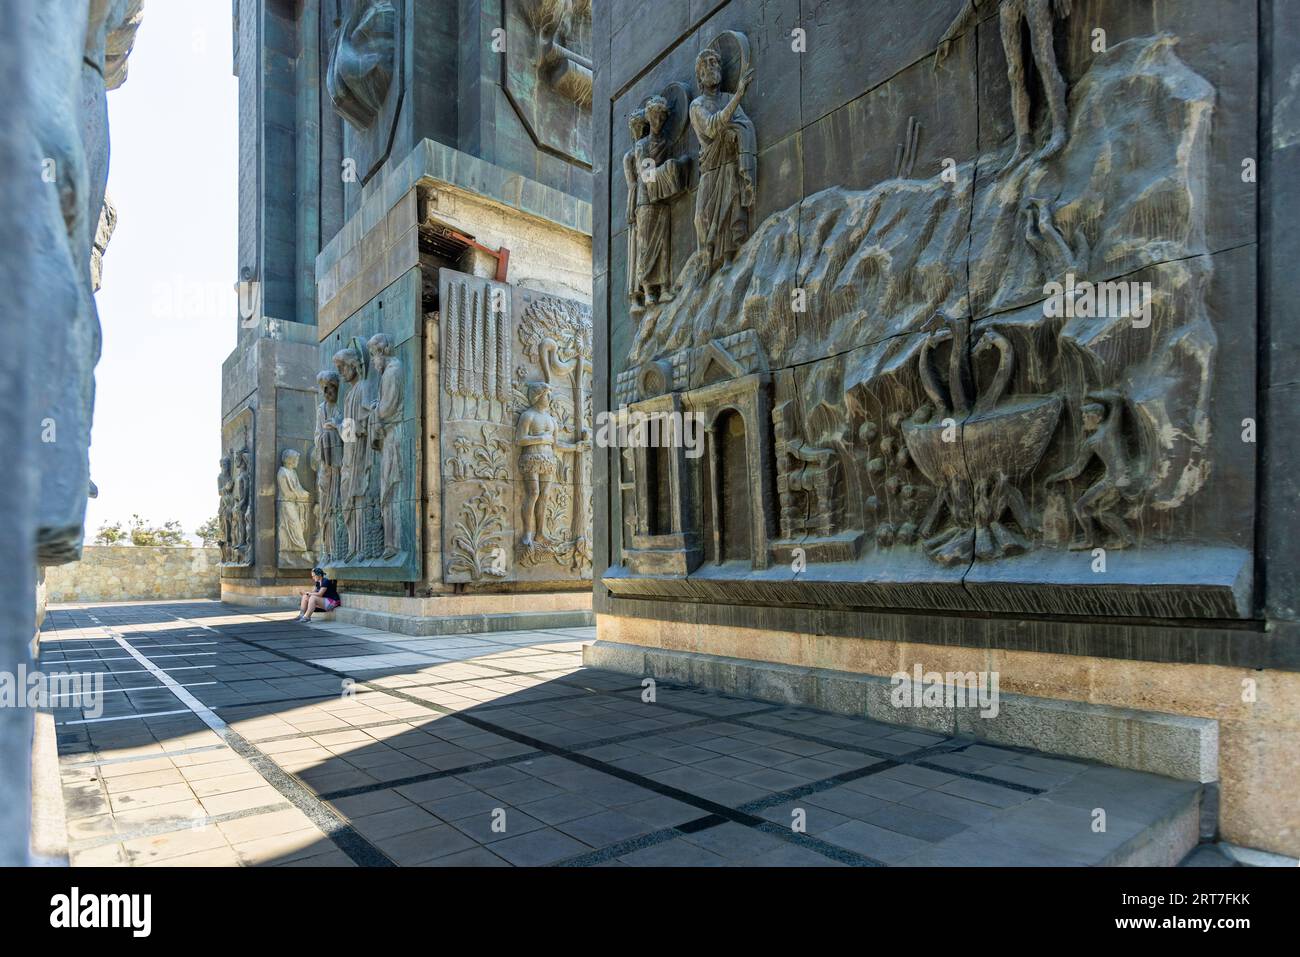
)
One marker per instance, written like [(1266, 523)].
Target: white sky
[(167, 306)]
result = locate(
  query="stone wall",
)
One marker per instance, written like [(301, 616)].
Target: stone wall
[(126, 573)]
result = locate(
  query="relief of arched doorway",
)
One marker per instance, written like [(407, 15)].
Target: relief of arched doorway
[(734, 536)]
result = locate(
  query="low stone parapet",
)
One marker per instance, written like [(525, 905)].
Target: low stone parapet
[(135, 573)]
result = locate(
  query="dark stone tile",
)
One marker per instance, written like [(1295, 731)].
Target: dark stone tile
[(428, 844), (605, 827), (727, 767), (879, 844), (773, 779), (390, 823), (736, 841), (474, 857), (911, 774), (661, 811), (456, 806), (951, 806), (675, 853), (563, 807), (846, 801), (791, 855), (989, 794), (916, 823), (538, 848), (487, 827), (525, 791)]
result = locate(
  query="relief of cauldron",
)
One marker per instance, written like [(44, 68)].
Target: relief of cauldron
[(975, 444)]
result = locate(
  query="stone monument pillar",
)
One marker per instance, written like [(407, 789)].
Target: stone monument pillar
[(57, 63), (427, 270)]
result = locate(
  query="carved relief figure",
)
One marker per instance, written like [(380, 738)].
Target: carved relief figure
[(1038, 15), (638, 127), (226, 510), (728, 161), (1114, 487), (537, 436), (327, 457), (242, 522), (556, 336), (361, 62), (385, 437), (659, 177), (293, 506), (354, 473)]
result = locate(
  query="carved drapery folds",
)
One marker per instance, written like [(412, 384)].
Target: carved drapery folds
[(654, 174), (656, 171), (516, 421), (226, 509), (363, 60), (728, 160), (362, 452), (365, 441), (293, 514), (236, 491), (971, 381), (327, 459)]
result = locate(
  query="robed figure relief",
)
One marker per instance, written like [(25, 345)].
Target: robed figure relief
[(327, 456), (385, 438), (659, 176), (226, 491), (294, 510), (242, 523), (354, 474), (637, 127), (724, 201)]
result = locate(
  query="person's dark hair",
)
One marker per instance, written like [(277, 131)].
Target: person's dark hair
[(318, 571)]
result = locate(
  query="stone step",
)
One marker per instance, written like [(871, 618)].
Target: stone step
[(422, 626), (1175, 746), (1027, 806)]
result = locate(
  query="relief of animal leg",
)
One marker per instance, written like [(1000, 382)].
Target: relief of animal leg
[(1116, 525), (931, 520), (1008, 542)]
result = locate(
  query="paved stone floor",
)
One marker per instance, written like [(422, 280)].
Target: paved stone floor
[(232, 736)]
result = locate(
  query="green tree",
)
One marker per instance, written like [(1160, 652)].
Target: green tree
[(111, 534), (210, 532), (168, 533)]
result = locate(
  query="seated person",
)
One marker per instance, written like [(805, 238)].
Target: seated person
[(325, 596)]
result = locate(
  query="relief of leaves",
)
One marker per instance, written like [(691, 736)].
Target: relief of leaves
[(477, 535)]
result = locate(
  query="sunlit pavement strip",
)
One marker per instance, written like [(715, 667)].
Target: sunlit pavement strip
[(329, 744)]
